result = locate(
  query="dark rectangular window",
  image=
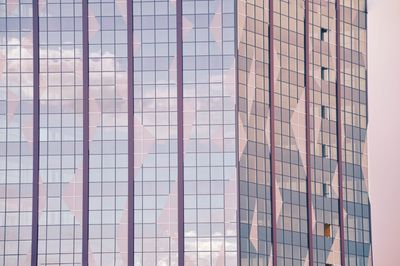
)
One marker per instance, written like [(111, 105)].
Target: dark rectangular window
[(324, 73), (324, 112), (324, 151), (326, 190), (324, 34)]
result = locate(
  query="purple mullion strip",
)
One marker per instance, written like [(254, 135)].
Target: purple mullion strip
[(308, 132), (238, 255), (131, 142), (36, 135), (85, 152), (339, 132), (179, 83), (272, 130)]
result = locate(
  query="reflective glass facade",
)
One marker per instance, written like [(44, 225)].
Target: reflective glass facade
[(184, 132)]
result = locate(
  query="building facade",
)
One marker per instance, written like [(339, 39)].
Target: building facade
[(184, 132)]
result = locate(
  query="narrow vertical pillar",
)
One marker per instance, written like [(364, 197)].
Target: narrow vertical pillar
[(179, 85), (85, 152), (36, 133), (131, 138), (272, 130), (339, 134), (237, 157), (308, 130)]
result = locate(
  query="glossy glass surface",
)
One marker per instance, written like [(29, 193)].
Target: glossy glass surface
[(254, 133), (16, 116), (209, 132), (226, 124)]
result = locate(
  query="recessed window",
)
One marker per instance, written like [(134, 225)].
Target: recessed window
[(324, 73), (326, 190), (324, 112), (324, 151), (324, 34), (327, 230)]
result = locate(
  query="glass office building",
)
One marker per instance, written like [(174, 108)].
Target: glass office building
[(184, 132)]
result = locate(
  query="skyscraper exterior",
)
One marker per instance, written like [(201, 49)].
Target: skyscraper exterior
[(184, 132)]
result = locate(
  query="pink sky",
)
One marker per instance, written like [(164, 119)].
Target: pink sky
[(384, 128)]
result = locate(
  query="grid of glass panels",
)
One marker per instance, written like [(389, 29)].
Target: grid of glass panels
[(108, 132), (155, 104), (209, 132), (325, 190), (16, 107), (354, 117), (290, 133), (254, 133), (60, 44)]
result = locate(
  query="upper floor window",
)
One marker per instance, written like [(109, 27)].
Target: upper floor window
[(324, 151), (324, 34), (325, 190), (324, 112), (327, 230), (324, 73)]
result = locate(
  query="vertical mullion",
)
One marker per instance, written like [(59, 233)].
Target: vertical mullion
[(85, 152), (272, 130), (179, 80), (308, 131), (36, 134), (339, 132), (131, 162), (237, 159)]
